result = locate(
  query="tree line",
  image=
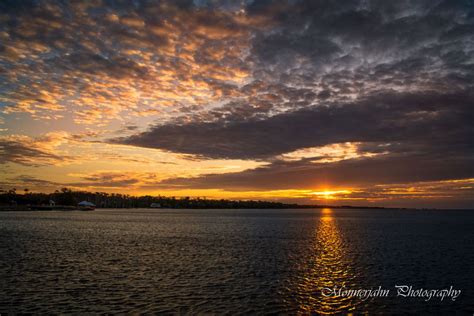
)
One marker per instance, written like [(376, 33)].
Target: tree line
[(69, 197)]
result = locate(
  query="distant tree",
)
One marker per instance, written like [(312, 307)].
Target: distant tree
[(66, 197)]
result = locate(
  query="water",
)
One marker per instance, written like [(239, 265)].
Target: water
[(233, 261)]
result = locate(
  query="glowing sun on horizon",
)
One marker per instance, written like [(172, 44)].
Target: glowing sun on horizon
[(329, 194)]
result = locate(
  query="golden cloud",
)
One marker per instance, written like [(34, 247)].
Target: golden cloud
[(112, 65)]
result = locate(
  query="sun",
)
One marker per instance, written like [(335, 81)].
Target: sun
[(329, 194)]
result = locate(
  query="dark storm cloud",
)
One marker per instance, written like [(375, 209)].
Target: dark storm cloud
[(356, 172), (429, 120)]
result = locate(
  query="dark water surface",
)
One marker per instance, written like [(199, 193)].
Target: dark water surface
[(233, 261)]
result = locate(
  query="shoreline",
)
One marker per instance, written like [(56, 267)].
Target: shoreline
[(66, 208)]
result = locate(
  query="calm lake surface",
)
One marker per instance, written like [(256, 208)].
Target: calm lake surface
[(233, 261)]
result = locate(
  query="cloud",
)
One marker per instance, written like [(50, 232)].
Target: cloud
[(28, 151), (162, 59), (429, 121), (105, 62), (32, 183), (112, 179), (304, 174), (331, 153), (29, 180)]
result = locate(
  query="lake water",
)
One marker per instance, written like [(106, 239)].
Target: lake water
[(234, 261)]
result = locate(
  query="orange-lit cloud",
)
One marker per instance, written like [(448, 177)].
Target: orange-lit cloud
[(123, 63), (30, 151), (329, 153)]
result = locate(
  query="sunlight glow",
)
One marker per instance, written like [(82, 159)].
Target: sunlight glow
[(329, 195)]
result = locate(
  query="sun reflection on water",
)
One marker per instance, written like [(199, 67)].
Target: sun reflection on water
[(328, 267)]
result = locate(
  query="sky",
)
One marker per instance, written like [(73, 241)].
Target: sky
[(335, 102)]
